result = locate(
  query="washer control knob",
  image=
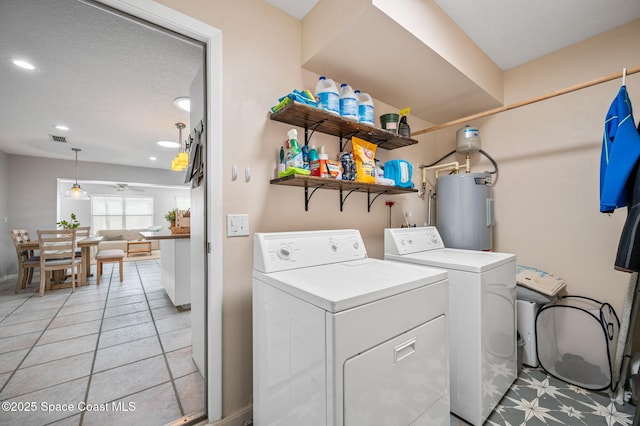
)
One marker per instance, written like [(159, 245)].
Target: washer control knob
[(433, 237), (284, 252)]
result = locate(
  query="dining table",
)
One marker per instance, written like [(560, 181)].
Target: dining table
[(83, 243)]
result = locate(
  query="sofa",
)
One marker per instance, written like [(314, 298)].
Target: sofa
[(117, 239)]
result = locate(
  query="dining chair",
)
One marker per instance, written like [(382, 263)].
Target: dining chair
[(27, 261), (57, 252), (82, 232)]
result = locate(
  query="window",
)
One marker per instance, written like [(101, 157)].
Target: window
[(121, 212)]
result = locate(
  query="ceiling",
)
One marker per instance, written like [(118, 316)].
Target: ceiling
[(512, 33), (113, 81)]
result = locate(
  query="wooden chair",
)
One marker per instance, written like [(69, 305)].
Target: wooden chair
[(82, 232), (57, 253), (27, 261)]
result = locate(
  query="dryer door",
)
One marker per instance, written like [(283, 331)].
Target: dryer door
[(397, 381)]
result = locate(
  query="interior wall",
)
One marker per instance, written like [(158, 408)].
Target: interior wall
[(261, 62), (164, 199), (547, 194), (33, 196), (7, 252)]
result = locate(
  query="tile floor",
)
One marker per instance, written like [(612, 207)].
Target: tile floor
[(121, 351), (537, 399)]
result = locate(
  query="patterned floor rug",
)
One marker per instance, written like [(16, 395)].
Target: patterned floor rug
[(536, 398)]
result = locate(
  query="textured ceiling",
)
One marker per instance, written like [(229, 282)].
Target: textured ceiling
[(111, 80)]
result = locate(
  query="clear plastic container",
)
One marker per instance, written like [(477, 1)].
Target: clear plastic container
[(327, 95), (365, 108), (348, 102)]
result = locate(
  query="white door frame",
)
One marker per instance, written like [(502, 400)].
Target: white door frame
[(183, 24)]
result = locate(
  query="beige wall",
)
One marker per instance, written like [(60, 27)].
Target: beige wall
[(546, 196), (260, 63)]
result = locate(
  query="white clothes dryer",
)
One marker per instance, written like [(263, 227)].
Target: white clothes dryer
[(344, 340), (482, 316)]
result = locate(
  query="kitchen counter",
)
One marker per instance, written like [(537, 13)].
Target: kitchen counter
[(162, 235), (175, 258)]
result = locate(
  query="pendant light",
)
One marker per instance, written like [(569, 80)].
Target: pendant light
[(181, 159), (75, 192)]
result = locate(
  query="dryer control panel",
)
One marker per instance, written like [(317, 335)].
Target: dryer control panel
[(280, 251), (411, 240)]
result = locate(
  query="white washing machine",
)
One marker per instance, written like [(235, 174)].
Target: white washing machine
[(344, 340), (482, 316)]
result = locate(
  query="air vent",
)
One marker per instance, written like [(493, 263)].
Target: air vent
[(61, 139)]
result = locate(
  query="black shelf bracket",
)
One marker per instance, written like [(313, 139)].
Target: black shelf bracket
[(313, 127), (307, 196), (347, 138), (343, 199), (370, 201)]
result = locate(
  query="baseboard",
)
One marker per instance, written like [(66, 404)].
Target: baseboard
[(242, 417)]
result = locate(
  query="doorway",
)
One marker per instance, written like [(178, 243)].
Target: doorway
[(211, 37), (164, 18)]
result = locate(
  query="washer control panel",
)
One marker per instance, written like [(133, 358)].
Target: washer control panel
[(411, 240), (281, 251)]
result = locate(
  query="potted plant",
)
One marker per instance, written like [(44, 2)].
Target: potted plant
[(73, 224), (171, 217)]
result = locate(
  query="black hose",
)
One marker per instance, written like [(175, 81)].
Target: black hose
[(442, 158), (495, 165)]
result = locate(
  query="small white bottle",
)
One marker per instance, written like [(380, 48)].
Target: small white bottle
[(327, 95), (365, 108), (348, 102)]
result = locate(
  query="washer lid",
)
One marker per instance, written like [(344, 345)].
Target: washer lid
[(339, 286), (456, 259)]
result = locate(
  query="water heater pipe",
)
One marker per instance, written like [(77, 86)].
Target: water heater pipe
[(453, 166), (429, 206)]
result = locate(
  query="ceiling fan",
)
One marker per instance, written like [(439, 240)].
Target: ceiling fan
[(126, 187)]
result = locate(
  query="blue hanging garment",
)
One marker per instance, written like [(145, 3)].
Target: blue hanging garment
[(620, 152)]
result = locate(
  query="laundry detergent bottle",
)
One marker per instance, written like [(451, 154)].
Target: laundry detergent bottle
[(327, 95), (365, 108), (348, 103)]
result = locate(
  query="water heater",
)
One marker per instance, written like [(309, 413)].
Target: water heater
[(464, 211)]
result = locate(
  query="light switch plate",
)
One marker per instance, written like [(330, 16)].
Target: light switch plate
[(237, 225)]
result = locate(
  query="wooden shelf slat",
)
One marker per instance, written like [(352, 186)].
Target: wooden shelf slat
[(336, 184), (309, 117)]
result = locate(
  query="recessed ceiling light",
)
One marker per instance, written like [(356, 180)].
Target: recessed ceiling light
[(168, 144), (21, 63), (61, 127), (152, 158), (183, 103)]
